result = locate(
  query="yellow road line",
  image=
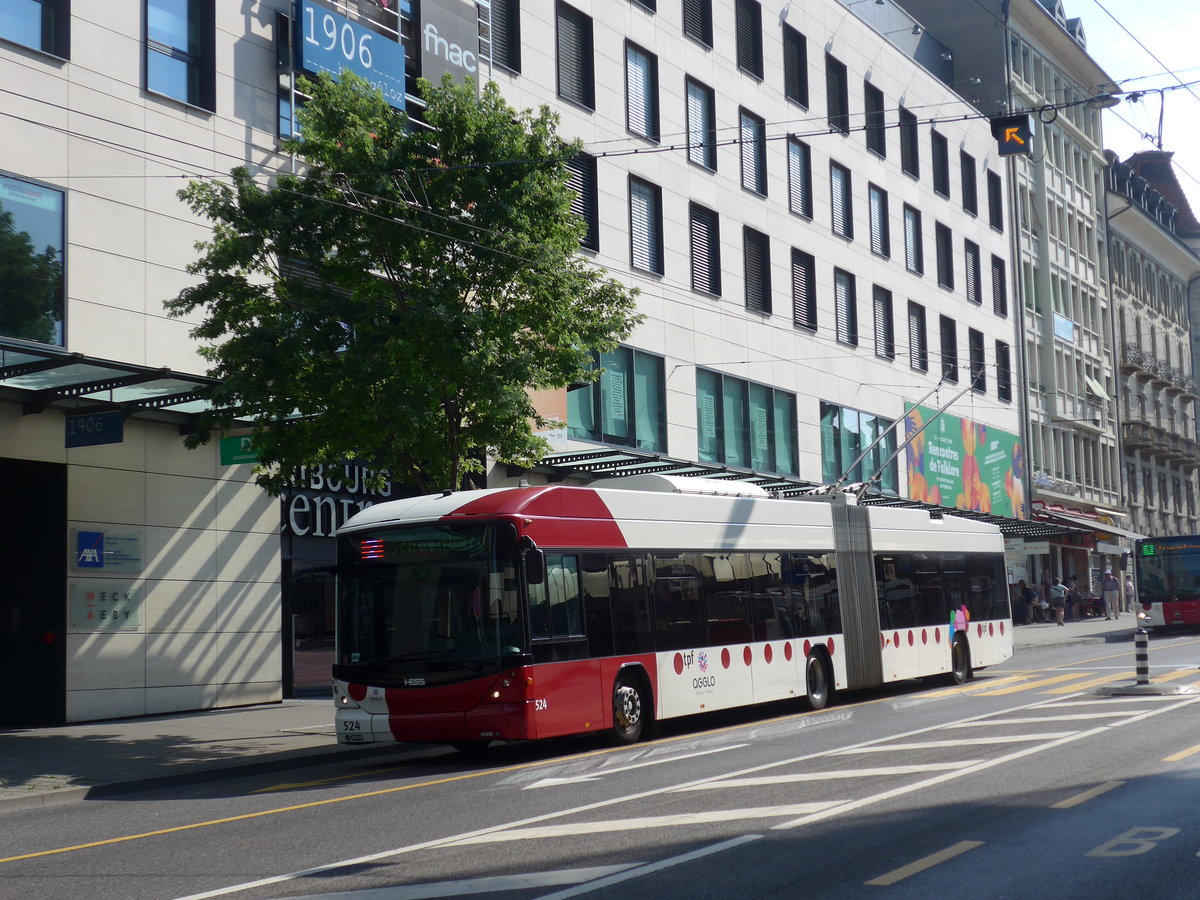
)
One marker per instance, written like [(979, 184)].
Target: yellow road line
[(1090, 683), (927, 862), (1087, 795), (1182, 754), (1030, 685), (1172, 676), (972, 686)]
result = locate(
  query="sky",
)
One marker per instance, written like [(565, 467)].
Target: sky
[(1170, 30)]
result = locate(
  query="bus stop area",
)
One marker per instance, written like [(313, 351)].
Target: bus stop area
[(91, 760)]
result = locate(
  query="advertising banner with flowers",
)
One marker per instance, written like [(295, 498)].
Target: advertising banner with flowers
[(964, 463)]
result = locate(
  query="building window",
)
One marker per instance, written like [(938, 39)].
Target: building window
[(918, 344), (505, 34), (753, 140), (885, 326), (648, 5), (697, 21), (1003, 372), (974, 272), (575, 65), (840, 199), (741, 423), (748, 26), (625, 406), (845, 307), (943, 243), (41, 24), (970, 186), (881, 240), (705, 237), (180, 35), (757, 259), (701, 125), (31, 261), (641, 92), (876, 124), (581, 178), (995, 201), (837, 97), (845, 436), (978, 367), (948, 330), (910, 160), (804, 290), (941, 163), (645, 226), (914, 251), (795, 66), (999, 288), (799, 178)]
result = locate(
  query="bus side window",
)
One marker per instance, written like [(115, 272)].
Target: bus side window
[(597, 602), (556, 607)]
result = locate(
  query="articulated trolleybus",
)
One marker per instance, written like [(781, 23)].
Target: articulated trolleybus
[(1168, 580), (532, 612)]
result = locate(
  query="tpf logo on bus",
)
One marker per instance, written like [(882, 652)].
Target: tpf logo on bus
[(699, 659)]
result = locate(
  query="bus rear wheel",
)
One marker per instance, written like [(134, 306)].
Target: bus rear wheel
[(960, 661), (816, 678), (630, 709)]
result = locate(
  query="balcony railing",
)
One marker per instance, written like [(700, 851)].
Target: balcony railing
[(1134, 360)]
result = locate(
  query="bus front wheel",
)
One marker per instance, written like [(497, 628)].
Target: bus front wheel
[(816, 677), (630, 709)]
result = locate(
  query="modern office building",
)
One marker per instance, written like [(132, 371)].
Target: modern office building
[(809, 199)]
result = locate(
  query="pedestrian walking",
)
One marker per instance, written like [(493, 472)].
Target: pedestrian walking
[(1058, 600), (1028, 602), (1129, 598), (1073, 598), (1110, 590)]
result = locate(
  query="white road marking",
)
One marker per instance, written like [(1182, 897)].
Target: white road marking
[(653, 867), (326, 869), (1033, 720), (600, 773), (611, 826), (914, 769), (435, 889), (964, 742)]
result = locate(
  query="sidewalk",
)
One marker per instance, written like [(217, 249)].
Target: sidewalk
[(75, 762)]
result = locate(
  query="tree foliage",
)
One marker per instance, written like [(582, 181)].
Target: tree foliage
[(393, 301)]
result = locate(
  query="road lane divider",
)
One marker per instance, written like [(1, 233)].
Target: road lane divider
[(1182, 754), (1087, 795), (927, 862)]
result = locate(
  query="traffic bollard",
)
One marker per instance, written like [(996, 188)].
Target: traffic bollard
[(1142, 653)]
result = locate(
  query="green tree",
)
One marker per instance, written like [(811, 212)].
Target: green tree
[(30, 286), (393, 302)]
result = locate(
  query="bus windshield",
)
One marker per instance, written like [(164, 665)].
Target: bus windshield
[(429, 604), (1168, 571)]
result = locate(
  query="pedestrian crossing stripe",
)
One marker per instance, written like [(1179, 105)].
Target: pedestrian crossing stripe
[(1030, 685), (1090, 683)]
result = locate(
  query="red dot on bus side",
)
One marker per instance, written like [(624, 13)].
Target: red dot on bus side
[(767, 654), (747, 656), (937, 635), (725, 658), (882, 641), (912, 639), (1002, 628), (896, 639), (829, 646), (807, 648), (979, 629), (787, 651), (924, 636), (357, 692), (991, 630), (678, 663)]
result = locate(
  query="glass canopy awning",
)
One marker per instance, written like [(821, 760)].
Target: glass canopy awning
[(41, 378)]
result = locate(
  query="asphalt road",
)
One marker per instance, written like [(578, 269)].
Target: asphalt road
[(1024, 782)]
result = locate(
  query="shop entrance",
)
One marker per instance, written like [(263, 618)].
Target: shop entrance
[(33, 604)]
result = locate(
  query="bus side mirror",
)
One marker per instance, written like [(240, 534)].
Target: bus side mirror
[(535, 566)]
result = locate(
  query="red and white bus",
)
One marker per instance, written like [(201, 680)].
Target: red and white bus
[(531, 612), (1168, 581)]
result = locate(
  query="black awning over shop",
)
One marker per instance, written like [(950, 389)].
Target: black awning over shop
[(1090, 525), (609, 462), (42, 378)]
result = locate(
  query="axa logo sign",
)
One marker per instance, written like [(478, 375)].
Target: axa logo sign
[(89, 549)]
